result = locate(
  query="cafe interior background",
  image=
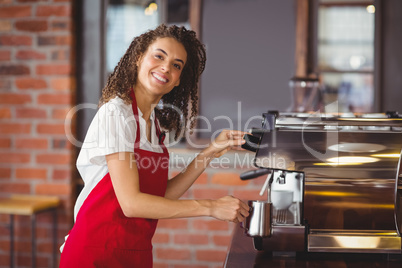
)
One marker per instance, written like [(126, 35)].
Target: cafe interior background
[(55, 56)]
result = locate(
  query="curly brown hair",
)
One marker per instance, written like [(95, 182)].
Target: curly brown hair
[(124, 77)]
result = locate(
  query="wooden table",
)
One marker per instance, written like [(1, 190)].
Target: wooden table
[(30, 205), (242, 254)]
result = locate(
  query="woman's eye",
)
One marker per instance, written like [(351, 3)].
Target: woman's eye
[(159, 57), (177, 66)]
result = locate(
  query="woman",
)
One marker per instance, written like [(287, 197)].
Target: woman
[(124, 162)]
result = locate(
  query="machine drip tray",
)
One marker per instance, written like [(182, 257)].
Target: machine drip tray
[(356, 241)]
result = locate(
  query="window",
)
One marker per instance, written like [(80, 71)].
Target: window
[(345, 54), (124, 21)]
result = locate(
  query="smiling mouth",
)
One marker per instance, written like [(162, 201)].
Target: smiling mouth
[(160, 78)]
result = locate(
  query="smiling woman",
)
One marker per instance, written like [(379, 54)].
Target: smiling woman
[(124, 161), (126, 73), (160, 71)]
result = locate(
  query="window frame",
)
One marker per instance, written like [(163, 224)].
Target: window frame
[(307, 47)]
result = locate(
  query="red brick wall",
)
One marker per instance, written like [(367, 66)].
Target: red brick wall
[(37, 87), (203, 242)]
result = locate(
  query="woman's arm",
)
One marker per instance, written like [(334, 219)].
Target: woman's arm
[(227, 139), (124, 175)]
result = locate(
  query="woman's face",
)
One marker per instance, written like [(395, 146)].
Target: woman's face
[(160, 67)]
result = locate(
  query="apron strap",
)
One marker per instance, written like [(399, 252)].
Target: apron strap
[(135, 112), (161, 134)]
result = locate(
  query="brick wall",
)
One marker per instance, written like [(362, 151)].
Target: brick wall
[(203, 242), (36, 91)]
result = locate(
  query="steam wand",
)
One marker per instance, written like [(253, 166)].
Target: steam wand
[(267, 186)]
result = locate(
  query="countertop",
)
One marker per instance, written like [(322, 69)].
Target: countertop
[(241, 254)]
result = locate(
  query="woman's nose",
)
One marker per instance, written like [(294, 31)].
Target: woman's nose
[(166, 67)]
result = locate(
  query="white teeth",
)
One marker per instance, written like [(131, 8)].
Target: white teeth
[(159, 78)]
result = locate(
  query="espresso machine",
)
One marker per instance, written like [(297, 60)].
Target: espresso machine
[(334, 183)]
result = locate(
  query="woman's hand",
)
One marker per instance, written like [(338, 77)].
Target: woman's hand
[(225, 141), (229, 208)]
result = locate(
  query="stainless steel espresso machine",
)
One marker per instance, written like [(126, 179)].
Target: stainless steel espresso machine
[(334, 183)]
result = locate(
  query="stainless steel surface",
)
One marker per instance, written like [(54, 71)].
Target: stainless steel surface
[(290, 216), (258, 223), (282, 226), (241, 253), (357, 241), (285, 212), (282, 216), (352, 170)]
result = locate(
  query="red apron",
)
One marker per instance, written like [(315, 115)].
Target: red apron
[(102, 236)]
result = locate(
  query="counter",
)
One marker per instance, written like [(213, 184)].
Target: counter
[(241, 254)]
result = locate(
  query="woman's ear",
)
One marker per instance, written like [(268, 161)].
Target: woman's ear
[(138, 61)]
